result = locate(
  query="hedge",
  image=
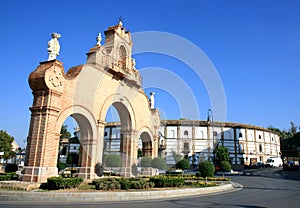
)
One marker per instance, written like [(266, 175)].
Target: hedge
[(161, 182), (107, 184), (55, 183), (8, 176)]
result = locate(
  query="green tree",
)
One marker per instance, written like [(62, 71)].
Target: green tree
[(206, 169), (289, 140), (146, 162), (224, 167), (113, 160), (159, 163), (64, 133), (177, 156), (293, 128), (72, 158), (183, 164), (140, 153), (6, 145), (222, 154)]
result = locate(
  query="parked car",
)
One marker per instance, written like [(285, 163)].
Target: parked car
[(290, 163), (274, 162), (257, 165), (260, 165)]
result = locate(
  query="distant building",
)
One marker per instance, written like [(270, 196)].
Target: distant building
[(198, 140), (68, 146)]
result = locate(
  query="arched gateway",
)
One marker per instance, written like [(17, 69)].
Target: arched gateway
[(86, 92)]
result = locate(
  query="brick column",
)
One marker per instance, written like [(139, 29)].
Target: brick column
[(43, 140)]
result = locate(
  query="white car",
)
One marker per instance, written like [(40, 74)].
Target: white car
[(274, 162)]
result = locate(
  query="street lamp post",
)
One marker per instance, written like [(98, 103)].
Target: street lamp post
[(210, 120)]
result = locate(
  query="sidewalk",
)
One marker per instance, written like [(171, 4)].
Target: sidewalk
[(108, 196)]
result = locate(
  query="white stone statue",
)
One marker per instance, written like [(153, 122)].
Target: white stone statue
[(53, 46), (152, 100), (133, 63), (99, 38)]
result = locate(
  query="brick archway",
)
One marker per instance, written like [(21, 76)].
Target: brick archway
[(85, 92)]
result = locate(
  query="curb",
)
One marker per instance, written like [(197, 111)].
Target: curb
[(108, 196)]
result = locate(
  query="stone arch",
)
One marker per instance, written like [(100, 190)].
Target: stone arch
[(85, 93), (89, 154), (147, 142), (124, 108)]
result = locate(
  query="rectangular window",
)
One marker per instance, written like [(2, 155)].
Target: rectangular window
[(186, 146)]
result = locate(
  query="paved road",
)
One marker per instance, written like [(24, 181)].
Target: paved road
[(261, 188)]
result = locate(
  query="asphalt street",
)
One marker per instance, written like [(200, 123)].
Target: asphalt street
[(270, 187)]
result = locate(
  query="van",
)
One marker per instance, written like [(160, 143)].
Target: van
[(274, 162)]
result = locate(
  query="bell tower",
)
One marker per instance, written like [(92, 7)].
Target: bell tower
[(115, 55)]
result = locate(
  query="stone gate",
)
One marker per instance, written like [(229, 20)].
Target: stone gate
[(86, 92)]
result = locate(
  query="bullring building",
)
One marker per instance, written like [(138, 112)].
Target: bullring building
[(198, 140)]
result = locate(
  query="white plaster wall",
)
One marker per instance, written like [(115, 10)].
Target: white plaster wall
[(200, 132), (189, 131), (171, 132)]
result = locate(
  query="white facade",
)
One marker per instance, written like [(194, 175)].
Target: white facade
[(246, 143)]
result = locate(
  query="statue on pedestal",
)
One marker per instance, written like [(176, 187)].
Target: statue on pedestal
[(152, 100), (99, 38), (53, 46)]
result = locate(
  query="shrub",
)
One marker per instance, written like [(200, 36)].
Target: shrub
[(61, 166), (206, 169), (161, 182), (11, 168), (222, 153), (107, 184), (125, 184), (113, 160), (183, 164), (54, 183), (7, 176), (159, 163), (200, 184), (146, 162), (225, 166)]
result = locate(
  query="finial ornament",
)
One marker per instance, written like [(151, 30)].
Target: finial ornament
[(53, 46), (99, 38), (121, 19)]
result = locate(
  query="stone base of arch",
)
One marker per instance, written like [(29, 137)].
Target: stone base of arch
[(148, 171), (39, 174), (87, 173)]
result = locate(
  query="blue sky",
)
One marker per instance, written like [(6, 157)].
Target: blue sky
[(253, 45)]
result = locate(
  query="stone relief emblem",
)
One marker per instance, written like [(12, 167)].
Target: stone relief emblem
[(56, 78)]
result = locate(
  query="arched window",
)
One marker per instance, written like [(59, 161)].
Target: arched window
[(240, 135), (122, 57), (186, 133)]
